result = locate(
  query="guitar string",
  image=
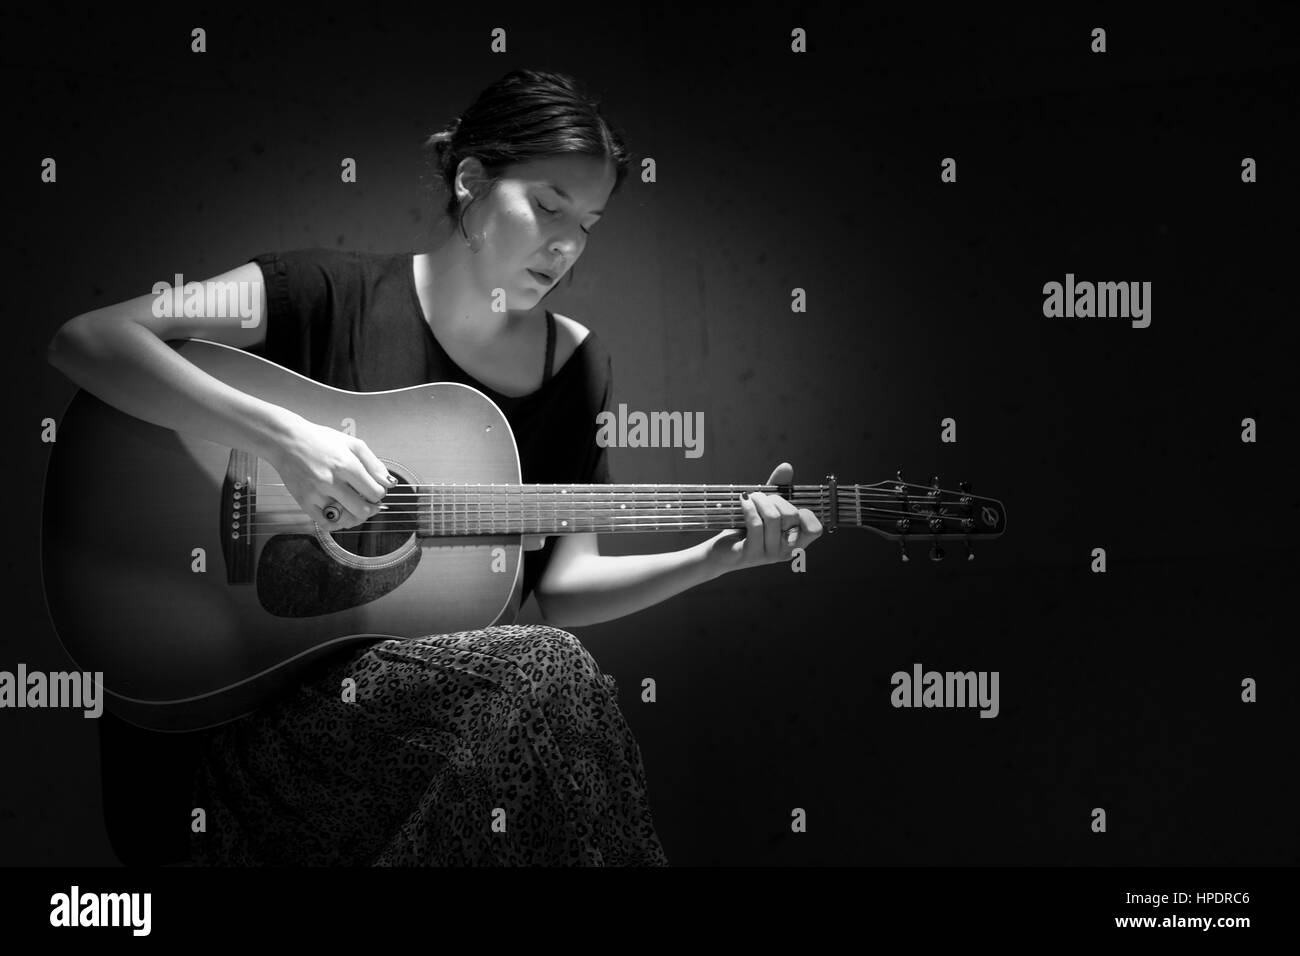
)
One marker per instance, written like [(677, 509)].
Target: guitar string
[(561, 495), (610, 492), (478, 512), (541, 496), (515, 489), (307, 528), (593, 495), (451, 525), (460, 511), (588, 503), (460, 515), (584, 504)]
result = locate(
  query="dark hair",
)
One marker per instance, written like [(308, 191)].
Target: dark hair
[(525, 115)]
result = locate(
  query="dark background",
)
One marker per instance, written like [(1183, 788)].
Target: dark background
[(1119, 690)]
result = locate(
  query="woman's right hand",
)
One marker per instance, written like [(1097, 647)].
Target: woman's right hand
[(320, 465)]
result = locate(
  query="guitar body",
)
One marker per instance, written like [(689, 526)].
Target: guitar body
[(185, 572)]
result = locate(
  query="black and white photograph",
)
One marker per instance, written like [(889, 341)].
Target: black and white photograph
[(815, 437)]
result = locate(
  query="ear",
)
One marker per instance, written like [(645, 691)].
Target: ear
[(471, 179)]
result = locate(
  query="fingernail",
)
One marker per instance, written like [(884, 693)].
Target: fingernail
[(392, 480)]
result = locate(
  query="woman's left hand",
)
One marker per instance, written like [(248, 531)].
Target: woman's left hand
[(774, 528)]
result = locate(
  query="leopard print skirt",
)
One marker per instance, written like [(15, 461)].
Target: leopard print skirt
[(502, 746)]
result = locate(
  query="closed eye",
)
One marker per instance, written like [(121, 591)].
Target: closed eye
[(554, 211)]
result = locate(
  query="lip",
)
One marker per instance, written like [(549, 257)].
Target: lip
[(542, 277)]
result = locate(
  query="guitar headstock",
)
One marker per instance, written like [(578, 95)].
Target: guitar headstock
[(903, 511)]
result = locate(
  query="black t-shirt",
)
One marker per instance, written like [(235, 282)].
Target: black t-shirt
[(353, 320)]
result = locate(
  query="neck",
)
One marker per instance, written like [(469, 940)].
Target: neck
[(453, 297)]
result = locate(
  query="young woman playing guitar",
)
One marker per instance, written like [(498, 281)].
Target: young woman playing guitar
[(501, 745)]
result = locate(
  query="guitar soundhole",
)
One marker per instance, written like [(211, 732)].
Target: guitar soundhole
[(386, 531)]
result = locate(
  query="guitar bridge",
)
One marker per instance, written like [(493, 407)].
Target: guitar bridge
[(238, 505)]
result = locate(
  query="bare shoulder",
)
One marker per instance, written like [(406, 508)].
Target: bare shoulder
[(569, 334)]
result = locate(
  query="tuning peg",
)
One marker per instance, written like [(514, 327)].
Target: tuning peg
[(936, 552), (899, 475), (902, 551), (964, 486), (970, 552), (934, 482)]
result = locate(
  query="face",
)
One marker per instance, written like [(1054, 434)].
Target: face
[(540, 216)]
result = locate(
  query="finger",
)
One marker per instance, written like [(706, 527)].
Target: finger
[(787, 510), (316, 514), (320, 507), (783, 474), (771, 523), (358, 479), (788, 522), (733, 539), (375, 469), (787, 525), (809, 529), (359, 509), (753, 544)]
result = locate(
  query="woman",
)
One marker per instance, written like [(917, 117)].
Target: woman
[(503, 745)]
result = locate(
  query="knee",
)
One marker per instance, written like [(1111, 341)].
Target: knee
[(565, 650), (560, 664)]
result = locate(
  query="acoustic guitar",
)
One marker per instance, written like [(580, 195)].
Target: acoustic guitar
[(186, 573)]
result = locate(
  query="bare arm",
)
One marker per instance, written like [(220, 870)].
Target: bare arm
[(119, 354), (582, 586)]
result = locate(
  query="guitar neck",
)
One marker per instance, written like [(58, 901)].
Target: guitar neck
[(571, 509), (443, 510)]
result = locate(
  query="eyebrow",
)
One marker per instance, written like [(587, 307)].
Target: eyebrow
[(568, 198)]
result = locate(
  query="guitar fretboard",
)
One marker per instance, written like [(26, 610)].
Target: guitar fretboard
[(479, 509), (558, 509)]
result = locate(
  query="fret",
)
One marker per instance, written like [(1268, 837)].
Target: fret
[(461, 508)]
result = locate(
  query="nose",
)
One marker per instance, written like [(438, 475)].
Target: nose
[(566, 247)]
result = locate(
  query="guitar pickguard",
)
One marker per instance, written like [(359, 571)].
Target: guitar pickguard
[(296, 578)]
